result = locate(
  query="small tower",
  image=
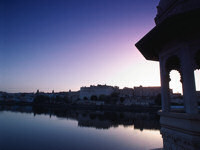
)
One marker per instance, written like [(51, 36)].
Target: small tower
[(37, 92)]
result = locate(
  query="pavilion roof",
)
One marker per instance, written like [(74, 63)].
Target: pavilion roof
[(177, 27)]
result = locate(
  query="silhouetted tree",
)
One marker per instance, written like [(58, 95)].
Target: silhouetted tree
[(66, 99), (23, 94), (122, 99), (85, 98), (4, 96), (114, 97), (92, 116), (114, 94), (104, 98), (39, 99), (94, 98)]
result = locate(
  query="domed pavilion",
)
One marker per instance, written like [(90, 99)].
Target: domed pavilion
[(175, 43)]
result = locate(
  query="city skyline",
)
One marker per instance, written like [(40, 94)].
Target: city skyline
[(62, 45)]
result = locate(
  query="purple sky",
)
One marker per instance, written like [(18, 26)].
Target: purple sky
[(65, 44)]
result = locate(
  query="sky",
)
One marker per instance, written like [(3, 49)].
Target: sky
[(66, 44)]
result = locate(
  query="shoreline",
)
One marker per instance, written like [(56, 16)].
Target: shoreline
[(106, 107)]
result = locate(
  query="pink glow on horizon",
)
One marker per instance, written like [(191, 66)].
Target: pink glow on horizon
[(80, 49)]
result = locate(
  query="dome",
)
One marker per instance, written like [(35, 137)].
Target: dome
[(164, 4), (167, 8)]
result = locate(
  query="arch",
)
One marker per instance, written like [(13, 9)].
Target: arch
[(197, 79), (197, 84), (173, 63), (175, 81), (176, 98), (197, 75)]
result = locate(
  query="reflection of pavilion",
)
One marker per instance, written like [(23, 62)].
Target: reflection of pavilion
[(175, 43)]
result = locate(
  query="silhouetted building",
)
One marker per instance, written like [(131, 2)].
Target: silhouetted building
[(88, 92), (73, 95), (146, 91), (126, 92)]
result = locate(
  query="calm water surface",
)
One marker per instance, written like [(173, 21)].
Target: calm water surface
[(24, 129)]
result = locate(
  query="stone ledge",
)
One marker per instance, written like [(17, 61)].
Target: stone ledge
[(181, 122), (178, 115)]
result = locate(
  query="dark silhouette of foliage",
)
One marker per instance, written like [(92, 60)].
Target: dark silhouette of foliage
[(122, 99), (114, 94), (104, 98), (39, 99), (92, 116), (85, 98), (23, 94), (114, 97), (66, 99), (94, 98)]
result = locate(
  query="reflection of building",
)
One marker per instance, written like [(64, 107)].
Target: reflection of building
[(95, 119), (87, 92), (175, 43)]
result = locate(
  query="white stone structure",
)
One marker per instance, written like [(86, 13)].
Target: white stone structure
[(175, 43), (73, 95), (146, 91), (126, 92), (87, 92)]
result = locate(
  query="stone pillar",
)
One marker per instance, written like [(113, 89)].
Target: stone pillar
[(164, 75), (189, 90)]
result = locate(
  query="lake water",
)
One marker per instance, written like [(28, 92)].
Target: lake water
[(27, 128)]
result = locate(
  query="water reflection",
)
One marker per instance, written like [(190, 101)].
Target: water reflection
[(95, 119), (35, 128)]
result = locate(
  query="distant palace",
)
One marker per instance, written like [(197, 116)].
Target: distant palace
[(97, 95)]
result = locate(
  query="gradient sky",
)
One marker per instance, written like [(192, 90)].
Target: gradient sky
[(65, 44)]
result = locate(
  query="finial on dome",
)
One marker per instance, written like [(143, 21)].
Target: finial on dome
[(167, 8)]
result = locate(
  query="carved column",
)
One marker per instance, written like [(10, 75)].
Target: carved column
[(164, 75), (189, 90)]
